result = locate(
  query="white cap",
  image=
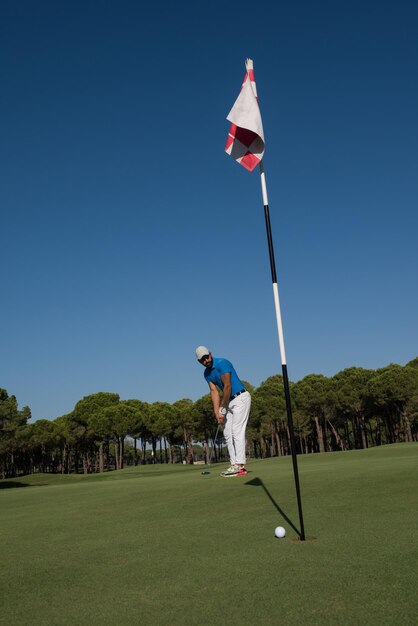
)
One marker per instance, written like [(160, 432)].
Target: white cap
[(201, 351)]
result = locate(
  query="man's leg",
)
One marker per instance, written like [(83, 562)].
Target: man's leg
[(240, 413), (228, 437)]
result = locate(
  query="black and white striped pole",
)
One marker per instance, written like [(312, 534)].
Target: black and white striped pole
[(282, 348)]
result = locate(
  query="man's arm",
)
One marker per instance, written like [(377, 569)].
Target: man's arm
[(226, 379), (214, 393)]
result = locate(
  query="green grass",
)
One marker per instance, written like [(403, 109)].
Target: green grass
[(166, 545)]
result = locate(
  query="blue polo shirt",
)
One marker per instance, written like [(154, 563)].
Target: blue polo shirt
[(219, 368)]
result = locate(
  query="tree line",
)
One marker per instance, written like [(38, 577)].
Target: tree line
[(357, 408)]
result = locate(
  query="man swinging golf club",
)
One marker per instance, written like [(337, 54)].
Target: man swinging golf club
[(232, 410)]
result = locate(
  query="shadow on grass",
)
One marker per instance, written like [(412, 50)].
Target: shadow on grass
[(257, 482), (11, 484)]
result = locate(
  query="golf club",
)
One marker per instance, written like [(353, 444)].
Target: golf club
[(205, 473), (214, 444)]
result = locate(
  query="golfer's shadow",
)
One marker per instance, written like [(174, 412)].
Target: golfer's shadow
[(257, 482), (12, 484)]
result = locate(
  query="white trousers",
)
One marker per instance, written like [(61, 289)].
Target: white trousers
[(235, 424)]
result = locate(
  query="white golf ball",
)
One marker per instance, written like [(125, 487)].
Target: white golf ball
[(279, 532)]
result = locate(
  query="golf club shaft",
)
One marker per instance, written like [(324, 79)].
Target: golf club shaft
[(214, 443)]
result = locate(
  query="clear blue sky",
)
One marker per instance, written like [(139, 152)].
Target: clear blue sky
[(128, 236)]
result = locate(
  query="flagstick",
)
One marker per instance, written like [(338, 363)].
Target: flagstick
[(282, 349)]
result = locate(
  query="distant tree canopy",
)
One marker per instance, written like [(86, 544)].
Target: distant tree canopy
[(356, 408)]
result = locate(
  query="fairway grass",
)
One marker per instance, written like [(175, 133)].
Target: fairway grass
[(167, 545)]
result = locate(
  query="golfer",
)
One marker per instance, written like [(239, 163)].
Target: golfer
[(232, 410)]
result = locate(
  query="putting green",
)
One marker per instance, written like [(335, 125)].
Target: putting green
[(168, 545)]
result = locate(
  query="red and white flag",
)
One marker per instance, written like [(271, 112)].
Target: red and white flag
[(245, 142)]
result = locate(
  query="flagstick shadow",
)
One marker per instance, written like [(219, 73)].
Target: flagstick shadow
[(257, 482)]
